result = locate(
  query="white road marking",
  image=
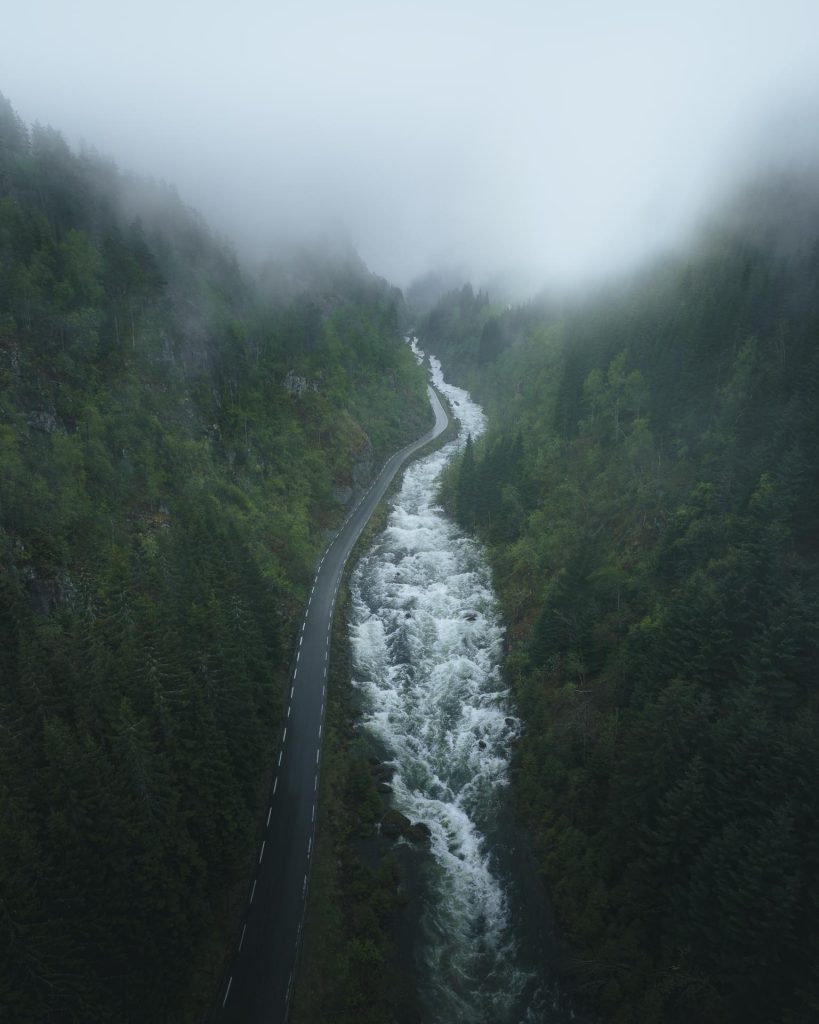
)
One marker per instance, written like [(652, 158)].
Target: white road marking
[(253, 890), (297, 657), (315, 782), (304, 887), (288, 710), (270, 810), (313, 815), (261, 852), (275, 783), (302, 636), (280, 758), (227, 990), (242, 940), (320, 728), (317, 755), (284, 736)]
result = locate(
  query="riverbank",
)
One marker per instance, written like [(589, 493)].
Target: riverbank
[(354, 954)]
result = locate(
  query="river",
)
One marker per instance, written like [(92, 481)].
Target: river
[(427, 641)]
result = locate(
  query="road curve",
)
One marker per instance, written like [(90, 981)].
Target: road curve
[(259, 984)]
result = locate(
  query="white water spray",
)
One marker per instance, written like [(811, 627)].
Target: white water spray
[(427, 645)]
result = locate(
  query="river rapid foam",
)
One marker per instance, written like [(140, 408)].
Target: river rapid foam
[(427, 643)]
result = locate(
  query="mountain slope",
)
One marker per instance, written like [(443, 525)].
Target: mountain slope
[(174, 443), (648, 489)]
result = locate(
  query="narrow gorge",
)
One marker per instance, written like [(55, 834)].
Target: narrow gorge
[(427, 642)]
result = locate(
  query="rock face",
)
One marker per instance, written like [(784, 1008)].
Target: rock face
[(363, 465), (43, 421), (44, 594), (343, 495), (296, 385)]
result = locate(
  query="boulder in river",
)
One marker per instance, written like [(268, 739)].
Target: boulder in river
[(383, 771), (418, 832), (394, 824)]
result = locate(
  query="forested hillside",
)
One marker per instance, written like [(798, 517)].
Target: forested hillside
[(649, 491), (174, 444)]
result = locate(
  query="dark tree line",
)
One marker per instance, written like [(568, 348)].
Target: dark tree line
[(649, 490), (162, 500)]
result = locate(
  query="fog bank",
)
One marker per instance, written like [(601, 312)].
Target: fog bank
[(554, 140)]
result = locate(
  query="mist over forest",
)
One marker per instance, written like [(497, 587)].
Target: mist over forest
[(543, 142), (219, 228)]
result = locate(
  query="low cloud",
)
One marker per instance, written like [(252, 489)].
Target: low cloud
[(554, 140)]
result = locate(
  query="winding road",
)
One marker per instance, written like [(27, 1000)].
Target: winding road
[(259, 984)]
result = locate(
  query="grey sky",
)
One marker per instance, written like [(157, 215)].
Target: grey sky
[(560, 137)]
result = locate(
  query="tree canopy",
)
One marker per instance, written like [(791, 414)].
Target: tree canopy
[(174, 441), (648, 490)]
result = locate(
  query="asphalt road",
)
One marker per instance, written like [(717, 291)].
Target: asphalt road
[(259, 986)]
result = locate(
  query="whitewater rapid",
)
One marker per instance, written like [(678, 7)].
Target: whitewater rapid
[(427, 642)]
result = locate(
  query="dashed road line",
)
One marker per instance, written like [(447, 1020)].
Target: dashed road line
[(362, 501)]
